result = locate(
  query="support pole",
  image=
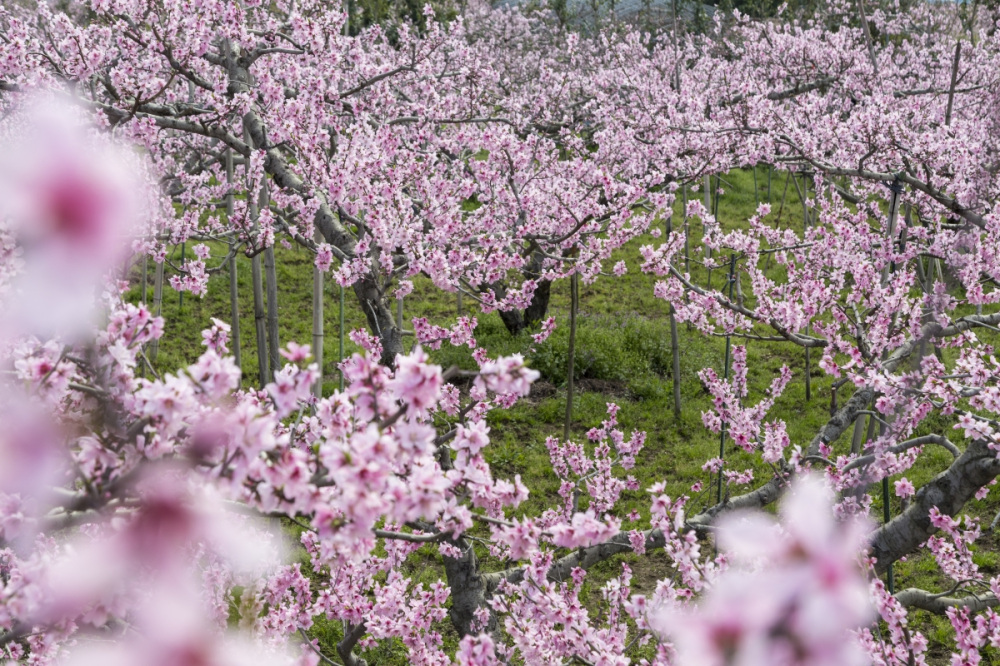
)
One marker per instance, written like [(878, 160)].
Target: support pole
[(234, 287), (574, 303), (317, 333), (725, 375), (340, 354)]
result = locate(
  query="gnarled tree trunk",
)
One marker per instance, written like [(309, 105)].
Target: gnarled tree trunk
[(516, 320)]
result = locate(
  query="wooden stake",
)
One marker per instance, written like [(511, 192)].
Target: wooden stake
[(574, 303)]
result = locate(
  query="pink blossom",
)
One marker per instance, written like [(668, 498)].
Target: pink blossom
[(324, 257), (296, 353), (72, 200), (584, 529), (797, 604), (904, 488), (548, 326), (217, 337), (506, 375), (416, 384)]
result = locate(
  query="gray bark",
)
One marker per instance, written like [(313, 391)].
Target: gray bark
[(470, 590), (378, 312), (948, 491), (585, 558), (937, 603), (755, 499), (516, 321)]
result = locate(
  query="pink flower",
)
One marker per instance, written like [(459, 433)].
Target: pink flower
[(904, 488), (296, 353), (522, 538), (506, 375), (404, 288), (217, 337), (292, 385), (72, 200), (416, 383), (793, 594), (476, 651), (324, 257), (585, 529), (548, 326)]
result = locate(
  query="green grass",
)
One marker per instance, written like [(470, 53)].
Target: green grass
[(623, 355)]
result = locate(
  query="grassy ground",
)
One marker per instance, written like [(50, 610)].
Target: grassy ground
[(623, 356)]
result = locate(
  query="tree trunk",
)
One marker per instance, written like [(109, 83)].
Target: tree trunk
[(328, 222), (470, 590), (378, 312), (515, 320), (539, 306)]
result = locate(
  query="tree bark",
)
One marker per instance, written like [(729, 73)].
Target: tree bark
[(924, 600), (470, 590), (948, 491), (516, 321), (378, 313), (329, 224)]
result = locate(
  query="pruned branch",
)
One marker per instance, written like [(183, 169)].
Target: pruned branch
[(936, 603)]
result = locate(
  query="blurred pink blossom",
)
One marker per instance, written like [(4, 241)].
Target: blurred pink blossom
[(793, 594), (72, 199)]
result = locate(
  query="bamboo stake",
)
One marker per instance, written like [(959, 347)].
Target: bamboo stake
[(234, 287), (318, 324), (257, 281), (154, 346), (271, 285), (145, 276), (675, 352), (180, 294), (722, 433), (340, 355), (708, 211), (574, 303)]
